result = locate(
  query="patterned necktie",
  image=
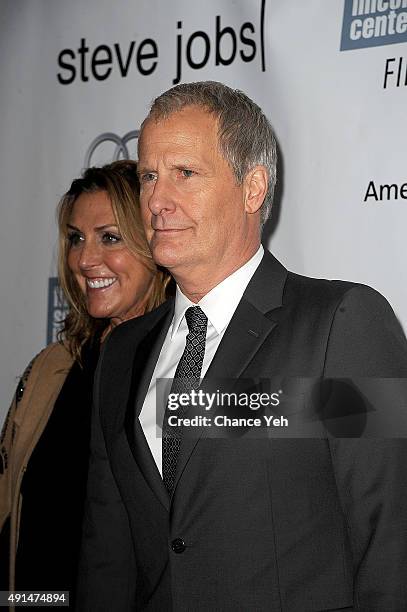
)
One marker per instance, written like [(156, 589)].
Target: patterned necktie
[(187, 377)]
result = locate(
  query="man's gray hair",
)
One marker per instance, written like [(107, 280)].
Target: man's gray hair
[(246, 138)]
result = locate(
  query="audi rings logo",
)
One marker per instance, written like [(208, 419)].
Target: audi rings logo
[(119, 150)]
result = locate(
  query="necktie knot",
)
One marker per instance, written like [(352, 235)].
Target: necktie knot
[(196, 319)]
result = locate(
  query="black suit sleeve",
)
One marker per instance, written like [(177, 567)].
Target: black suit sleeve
[(366, 340), (107, 572)]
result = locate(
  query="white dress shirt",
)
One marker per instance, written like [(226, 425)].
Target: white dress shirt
[(219, 306)]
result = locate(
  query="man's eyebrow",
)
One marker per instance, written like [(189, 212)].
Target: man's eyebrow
[(185, 162), (143, 169), (174, 165)]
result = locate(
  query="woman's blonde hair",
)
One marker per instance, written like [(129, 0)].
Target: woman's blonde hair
[(120, 181)]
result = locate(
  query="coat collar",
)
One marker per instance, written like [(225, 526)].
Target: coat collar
[(266, 287)]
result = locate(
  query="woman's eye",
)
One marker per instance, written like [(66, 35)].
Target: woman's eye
[(109, 238), (74, 238)]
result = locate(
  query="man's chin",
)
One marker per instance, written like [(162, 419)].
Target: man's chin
[(167, 258), (167, 251)]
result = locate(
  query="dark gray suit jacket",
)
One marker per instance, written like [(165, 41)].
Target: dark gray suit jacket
[(268, 524)]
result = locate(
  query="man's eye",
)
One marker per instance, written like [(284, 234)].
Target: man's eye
[(74, 238), (147, 177), (187, 173), (109, 238)]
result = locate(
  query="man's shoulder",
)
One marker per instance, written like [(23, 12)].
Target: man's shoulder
[(354, 322), (333, 294), (325, 290), (299, 291)]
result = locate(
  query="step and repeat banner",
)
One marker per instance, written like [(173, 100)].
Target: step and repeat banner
[(77, 78)]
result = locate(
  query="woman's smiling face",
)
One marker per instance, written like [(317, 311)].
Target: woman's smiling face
[(115, 282)]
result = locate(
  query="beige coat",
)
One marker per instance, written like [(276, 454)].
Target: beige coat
[(24, 425)]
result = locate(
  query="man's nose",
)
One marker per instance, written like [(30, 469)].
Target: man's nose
[(162, 197), (90, 255)]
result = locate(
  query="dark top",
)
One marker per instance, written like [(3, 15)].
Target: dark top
[(54, 487)]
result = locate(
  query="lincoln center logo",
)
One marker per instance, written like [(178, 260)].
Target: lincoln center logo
[(109, 147), (57, 310), (370, 23)]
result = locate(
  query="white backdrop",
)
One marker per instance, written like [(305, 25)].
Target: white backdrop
[(72, 71)]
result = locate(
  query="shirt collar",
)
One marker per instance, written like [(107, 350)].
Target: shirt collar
[(221, 302)]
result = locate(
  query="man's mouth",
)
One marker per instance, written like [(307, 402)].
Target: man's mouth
[(169, 230)]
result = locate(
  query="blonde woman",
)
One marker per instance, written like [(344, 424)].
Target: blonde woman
[(107, 276)]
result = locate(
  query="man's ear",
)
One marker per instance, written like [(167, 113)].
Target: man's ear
[(256, 184)]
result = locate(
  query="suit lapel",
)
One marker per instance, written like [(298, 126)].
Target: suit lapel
[(123, 378), (147, 356), (244, 336), (144, 363), (249, 327)]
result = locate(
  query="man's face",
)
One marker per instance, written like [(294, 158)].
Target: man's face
[(193, 209)]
